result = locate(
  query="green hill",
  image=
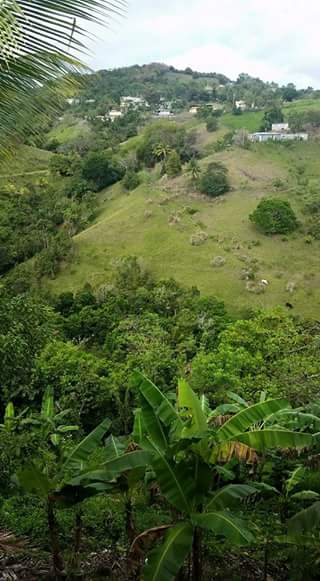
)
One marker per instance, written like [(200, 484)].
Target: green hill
[(157, 221)]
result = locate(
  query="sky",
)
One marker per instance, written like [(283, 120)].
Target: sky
[(277, 40)]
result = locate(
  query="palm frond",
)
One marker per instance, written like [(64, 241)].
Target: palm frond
[(41, 41)]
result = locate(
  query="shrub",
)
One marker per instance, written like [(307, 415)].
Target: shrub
[(131, 180), (212, 124), (173, 164), (101, 170), (274, 216), (214, 182)]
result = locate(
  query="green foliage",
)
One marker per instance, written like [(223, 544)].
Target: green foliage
[(170, 136), (214, 181), (212, 124), (101, 170), (173, 164), (273, 115), (131, 180), (274, 216)]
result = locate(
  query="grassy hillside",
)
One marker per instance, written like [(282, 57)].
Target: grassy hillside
[(27, 161), (154, 222)]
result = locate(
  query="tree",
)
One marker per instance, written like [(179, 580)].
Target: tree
[(40, 43), (194, 169), (173, 164), (212, 124), (274, 216), (186, 448), (214, 181), (101, 170), (273, 115)]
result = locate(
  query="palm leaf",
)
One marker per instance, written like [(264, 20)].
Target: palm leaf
[(165, 561), (229, 496), (40, 42), (223, 523), (80, 454), (266, 439), (250, 416)]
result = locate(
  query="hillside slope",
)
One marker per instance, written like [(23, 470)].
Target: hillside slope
[(157, 221)]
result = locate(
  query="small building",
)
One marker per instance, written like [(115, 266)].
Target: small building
[(90, 101), (73, 101), (280, 127), (114, 114), (164, 114), (194, 110), (128, 102), (263, 136), (241, 105)]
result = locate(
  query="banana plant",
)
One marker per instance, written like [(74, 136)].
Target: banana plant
[(185, 447), (51, 482)]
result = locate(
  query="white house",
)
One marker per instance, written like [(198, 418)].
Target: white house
[(133, 102), (73, 101), (164, 114), (114, 114), (194, 110), (241, 105), (280, 127), (264, 136)]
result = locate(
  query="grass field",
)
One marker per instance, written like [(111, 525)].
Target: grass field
[(154, 223)]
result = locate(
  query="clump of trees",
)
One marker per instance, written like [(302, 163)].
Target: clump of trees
[(272, 115), (274, 216), (162, 137), (214, 181)]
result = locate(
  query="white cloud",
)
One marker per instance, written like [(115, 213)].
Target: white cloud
[(274, 39)]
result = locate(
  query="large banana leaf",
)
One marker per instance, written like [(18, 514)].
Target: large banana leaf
[(156, 399), (188, 399), (296, 476), (34, 481), (80, 454), (267, 439), (305, 521), (250, 416), (115, 467), (47, 407), (165, 561), (152, 427), (175, 481), (223, 523), (230, 495), (114, 447)]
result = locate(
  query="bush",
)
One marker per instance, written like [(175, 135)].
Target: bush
[(214, 181), (131, 180), (212, 124), (274, 216), (101, 170), (173, 164)]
